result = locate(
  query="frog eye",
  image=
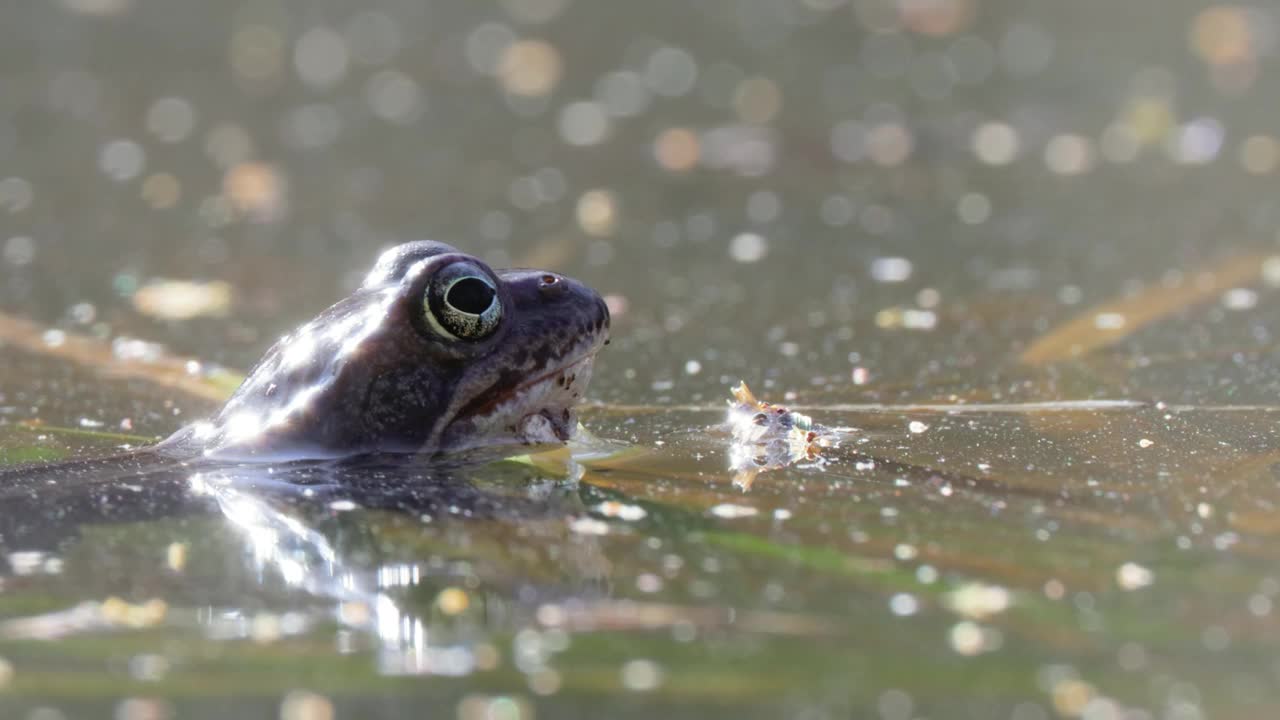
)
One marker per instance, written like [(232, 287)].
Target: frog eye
[(462, 303)]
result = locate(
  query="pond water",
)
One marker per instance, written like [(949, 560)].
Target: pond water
[(1026, 250)]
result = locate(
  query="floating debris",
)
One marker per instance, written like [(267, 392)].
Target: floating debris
[(641, 675), (1132, 576), (110, 614), (176, 557), (748, 247), (529, 68), (453, 601), (306, 705), (891, 269), (597, 213), (978, 601), (256, 190), (969, 638), (904, 604), (483, 707), (768, 437), (589, 526), (899, 318), (729, 510), (183, 299), (34, 562), (623, 511)]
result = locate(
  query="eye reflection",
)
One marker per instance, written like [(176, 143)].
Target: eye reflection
[(470, 295)]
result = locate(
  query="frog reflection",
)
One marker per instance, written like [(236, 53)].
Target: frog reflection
[(364, 541), (347, 564), (435, 352)]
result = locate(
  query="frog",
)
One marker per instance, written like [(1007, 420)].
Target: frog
[(434, 353)]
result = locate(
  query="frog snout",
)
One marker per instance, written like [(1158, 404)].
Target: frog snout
[(552, 295), (603, 308), (587, 302)]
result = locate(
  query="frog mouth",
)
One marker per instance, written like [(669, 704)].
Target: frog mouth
[(566, 376), (536, 410), (551, 398)]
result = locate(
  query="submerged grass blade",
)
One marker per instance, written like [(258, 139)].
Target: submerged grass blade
[(83, 433), (166, 370), (1111, 322), (30, 454)]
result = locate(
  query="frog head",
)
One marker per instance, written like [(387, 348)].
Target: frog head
[(435, 352)]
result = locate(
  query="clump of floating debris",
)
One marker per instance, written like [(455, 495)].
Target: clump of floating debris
[(767, 437)]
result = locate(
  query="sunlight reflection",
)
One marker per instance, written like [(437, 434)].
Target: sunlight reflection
[(281, 546)]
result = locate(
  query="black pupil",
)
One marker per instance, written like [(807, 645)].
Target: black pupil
[(470, 295)]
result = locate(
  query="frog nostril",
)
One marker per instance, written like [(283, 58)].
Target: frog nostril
[(551, 285)]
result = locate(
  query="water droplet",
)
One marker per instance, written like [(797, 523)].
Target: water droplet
[(121, 159), (583, 123), (171, 119), (748, 247), (321, 57)]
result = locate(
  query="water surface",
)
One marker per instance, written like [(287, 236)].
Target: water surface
[(1025, 249)]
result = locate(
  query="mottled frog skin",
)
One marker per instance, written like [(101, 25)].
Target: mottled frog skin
[(435, 352)]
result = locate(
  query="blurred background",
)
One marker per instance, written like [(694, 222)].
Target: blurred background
[(781, 190)]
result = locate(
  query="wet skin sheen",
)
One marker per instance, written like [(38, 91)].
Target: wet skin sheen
[(435, 352)]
